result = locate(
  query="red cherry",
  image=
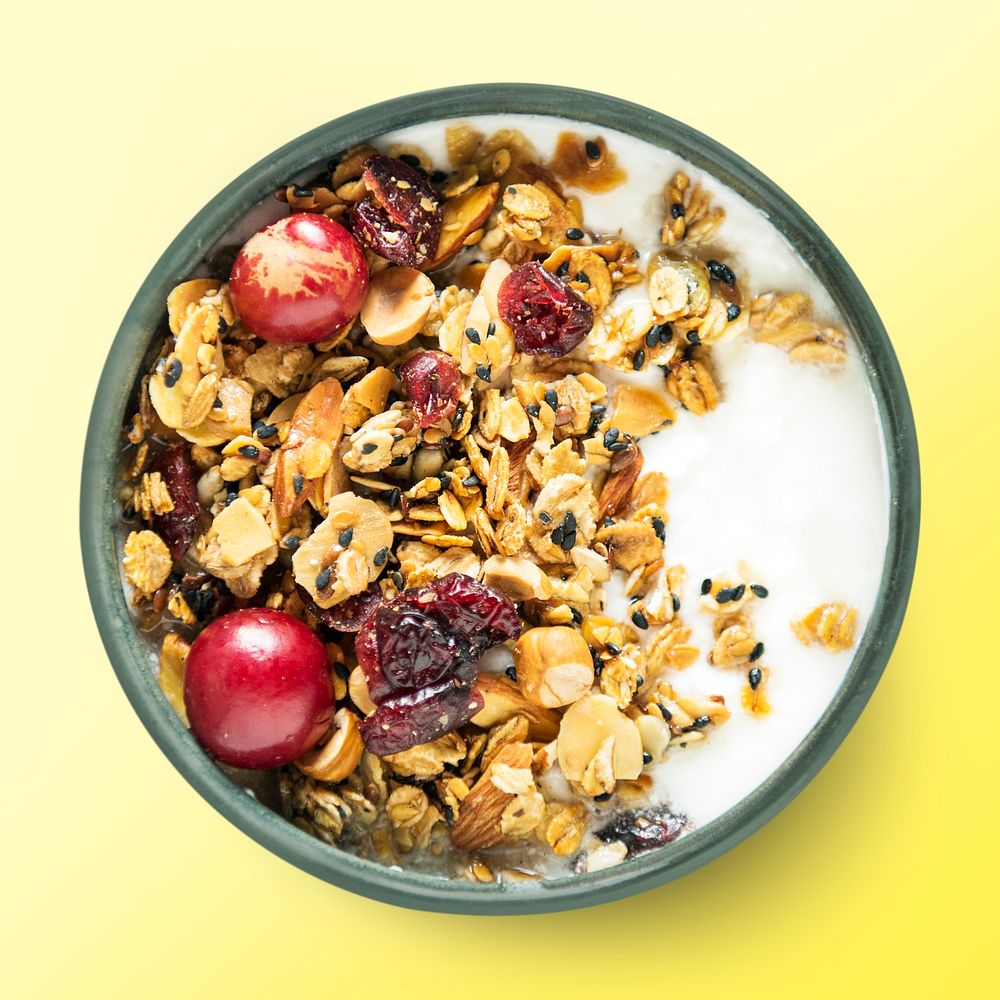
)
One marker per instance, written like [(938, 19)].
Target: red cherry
[(299, 280), (257, 688)]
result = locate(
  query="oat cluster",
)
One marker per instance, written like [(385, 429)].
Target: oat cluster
[(304, 477)]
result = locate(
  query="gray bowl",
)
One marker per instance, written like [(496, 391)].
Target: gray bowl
[(136, 342)]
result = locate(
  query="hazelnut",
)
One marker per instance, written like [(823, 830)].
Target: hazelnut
[(397, 303), (339, 756), (554, 666)]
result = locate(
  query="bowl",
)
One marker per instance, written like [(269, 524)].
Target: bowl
[(135, 345)]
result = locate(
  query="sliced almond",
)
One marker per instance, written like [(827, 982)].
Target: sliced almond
[(519, 579), (503, 701), (397, 303), (340, 755), (460, 218), (229, 415), (585, 727), (639, 411), (554, 666)]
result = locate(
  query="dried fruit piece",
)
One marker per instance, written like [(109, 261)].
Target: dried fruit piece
[(416, 650), (482, 615), (349, 615), (177, 527), (642, 830), (400, 219), (433, 383), (412, 717), (546, 315), (397, 304)]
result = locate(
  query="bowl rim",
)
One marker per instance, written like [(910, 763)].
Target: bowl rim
[(409, 888)]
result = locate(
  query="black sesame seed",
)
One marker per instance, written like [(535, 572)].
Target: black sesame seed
[(618, 446), (473, 334), (574, 234), (298, 483), (545, 517), (706, 585), (759, 589), (552, 399), (647, 758), (613, 648), (659, 528), (393, 497), (638, 360), (397, 579), (610, 436), (757, 652), (701, 722), (323, 578), (292, 542), (557, 535), (639, 681), (725, 595), (694, 337), (409, 159), (569, 521), (597, 409), (739, 591), (263, 430), (608, 521), (755, 677), (666, 333), (491, 329), (445, 480), (231, 495), (484, 372), (732, 311), (721, 272), (367, 449), (346, 537), (250, 451), (533, 409), (677, 210), (511, 189), (471, 482), (223, 325), (302, 192), (664, 711), (398, 461), (511, 673), (676, 602), (639, 620), (592, 149), (603, 797), (577, 616), (653, 337), (174, 371), (380, 557), (569, 540), (582, 278), (563, 269), (595, 655)]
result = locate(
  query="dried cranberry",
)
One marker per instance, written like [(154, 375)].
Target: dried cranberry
[(433, 382), (400, 218), (349, 615), (545, 314), (413, 717), (366, 649), (481, 614), (642, 830), (414, 649), (177, 527)]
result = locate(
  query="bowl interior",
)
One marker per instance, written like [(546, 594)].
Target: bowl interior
[(135, 344)]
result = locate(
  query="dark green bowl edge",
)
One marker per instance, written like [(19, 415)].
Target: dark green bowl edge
[(408, 888)]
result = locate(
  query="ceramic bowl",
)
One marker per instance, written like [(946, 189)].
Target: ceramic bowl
[(137, 340)]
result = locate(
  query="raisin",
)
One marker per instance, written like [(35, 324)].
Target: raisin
[(642, 830), (416, 650), (432, 381), (413, 717), (177, 527), (545, 314), (400, 218), (349, 615)]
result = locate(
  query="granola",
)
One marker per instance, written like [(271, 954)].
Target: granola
[(457, 464)]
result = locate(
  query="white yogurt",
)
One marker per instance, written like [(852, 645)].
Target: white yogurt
[(787, 475)]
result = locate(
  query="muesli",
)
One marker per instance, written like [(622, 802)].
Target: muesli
[(398, 501)]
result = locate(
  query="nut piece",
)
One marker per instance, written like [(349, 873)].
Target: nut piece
[(502, 701), (585, 727), (397, 304), (554, 666), (339, 756), (519, 579), (461, 216), (357, 688), (478, 824)]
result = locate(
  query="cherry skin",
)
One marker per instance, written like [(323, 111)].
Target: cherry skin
[(299, 279), (257, 688)]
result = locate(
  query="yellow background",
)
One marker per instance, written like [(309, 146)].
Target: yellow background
[(880, 118)]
